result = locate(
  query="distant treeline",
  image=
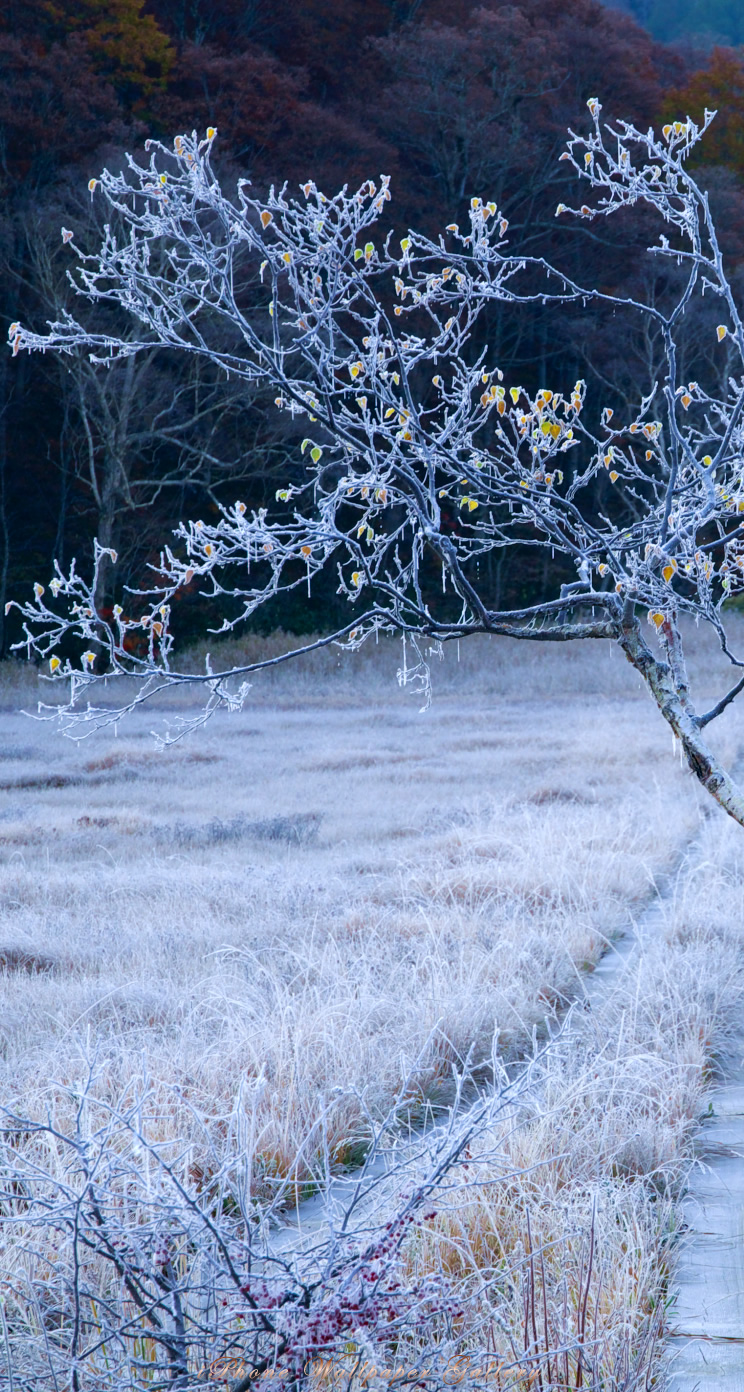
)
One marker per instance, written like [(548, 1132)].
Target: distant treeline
[(451, 98)]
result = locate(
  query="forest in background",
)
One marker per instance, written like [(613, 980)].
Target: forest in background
[(451, 100)]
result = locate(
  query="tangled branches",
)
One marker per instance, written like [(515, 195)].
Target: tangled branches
[(421, 457)]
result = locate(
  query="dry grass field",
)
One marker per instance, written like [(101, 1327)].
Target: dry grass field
[(333, 895)]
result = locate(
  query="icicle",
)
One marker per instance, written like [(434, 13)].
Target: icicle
[(308, 579), (458, 650)]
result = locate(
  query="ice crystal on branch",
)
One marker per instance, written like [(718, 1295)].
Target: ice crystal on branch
[(420, 454)]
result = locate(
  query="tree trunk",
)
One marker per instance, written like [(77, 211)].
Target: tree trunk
[(4, 527), (667, 683)]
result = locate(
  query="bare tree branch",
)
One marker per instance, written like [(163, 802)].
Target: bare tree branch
[(421, 457)]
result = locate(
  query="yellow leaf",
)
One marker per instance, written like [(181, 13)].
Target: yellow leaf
[(614, 476), (666, 132), (316, 454), (265, 218), (501, 407), (356, 578), (515, 393), (307, 550), (668, 570), (656, 618), (38, 590), (54, 663), (707, 460), (287, 256), (721, 331), (472, 504), (211, 132), (686, 400)]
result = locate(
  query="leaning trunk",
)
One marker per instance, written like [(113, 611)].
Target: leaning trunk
[(668, 686)]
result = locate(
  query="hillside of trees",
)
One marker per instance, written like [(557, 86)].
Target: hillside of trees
[(450, 99)]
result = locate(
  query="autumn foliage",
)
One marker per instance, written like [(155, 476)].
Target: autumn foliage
[(720, 88)]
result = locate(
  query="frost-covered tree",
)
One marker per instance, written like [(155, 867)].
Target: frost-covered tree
[(422, 456)]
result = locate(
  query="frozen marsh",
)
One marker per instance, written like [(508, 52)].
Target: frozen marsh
[(331, 896)]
